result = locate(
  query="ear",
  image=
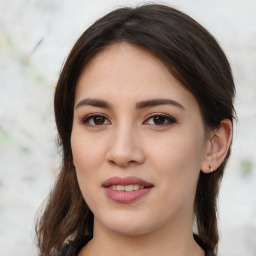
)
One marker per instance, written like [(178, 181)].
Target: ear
[(217, 146)]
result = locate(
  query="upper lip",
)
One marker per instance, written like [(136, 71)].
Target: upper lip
[(126, 181)]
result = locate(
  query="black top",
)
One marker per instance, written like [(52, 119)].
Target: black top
[(74, 247)]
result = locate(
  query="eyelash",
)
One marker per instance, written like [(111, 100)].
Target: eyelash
[(86, 120), (168, 120)]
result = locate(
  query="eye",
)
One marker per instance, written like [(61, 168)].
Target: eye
[(95, 120), (160, 120)]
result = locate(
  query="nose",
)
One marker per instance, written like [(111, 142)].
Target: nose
[(125, 148)]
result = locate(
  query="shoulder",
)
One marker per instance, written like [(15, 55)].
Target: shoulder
[(72, 248)]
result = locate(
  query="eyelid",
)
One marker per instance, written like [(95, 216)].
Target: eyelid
[(84, 120), (168, 117)]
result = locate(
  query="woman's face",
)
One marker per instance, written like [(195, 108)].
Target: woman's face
[(138, 142)]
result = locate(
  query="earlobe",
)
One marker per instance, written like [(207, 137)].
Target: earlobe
[(218, 146)]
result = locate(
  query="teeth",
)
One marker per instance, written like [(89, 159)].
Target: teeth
[(127, 187), (136, 187), (120, 188)]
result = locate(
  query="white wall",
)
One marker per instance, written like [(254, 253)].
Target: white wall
[(35, 37)]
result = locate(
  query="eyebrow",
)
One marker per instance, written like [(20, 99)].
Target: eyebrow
[(143, 104), (156, 102), (93, 102)]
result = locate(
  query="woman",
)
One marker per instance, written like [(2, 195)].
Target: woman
[(144, 111)]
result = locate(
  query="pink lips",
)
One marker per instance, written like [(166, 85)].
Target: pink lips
[(126, 196)]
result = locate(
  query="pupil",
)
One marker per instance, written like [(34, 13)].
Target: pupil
[(159, 120), (98, 120)]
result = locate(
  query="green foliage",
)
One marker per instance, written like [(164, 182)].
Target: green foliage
[(246, 167)]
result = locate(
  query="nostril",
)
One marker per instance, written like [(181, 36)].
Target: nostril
[(112, 162), (132, 162), (122, 162)]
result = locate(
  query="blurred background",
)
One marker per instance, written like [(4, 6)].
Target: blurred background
[(35, 38)]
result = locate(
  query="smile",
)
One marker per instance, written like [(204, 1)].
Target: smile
[(126, 190), (127, 187)]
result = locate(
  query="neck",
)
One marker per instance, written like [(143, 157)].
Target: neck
[(162, 242)]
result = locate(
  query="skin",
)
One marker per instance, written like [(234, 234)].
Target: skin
[(126, 140)]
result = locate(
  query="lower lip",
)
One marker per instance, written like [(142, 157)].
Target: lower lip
[(126, 196)]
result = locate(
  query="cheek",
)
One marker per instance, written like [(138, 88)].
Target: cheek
[(177, 163), (177, 150), (86, 151), (86, 156)]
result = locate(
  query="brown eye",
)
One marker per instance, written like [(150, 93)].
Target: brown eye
[(95, 120), (99, 120), (160, 120)]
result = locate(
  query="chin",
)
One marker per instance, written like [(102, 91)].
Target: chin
[(127, 225), (130, 230)]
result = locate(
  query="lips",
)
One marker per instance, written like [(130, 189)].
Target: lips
[(126, 181), (126, 190)]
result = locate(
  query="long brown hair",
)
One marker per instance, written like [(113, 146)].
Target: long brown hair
[(193, 57)]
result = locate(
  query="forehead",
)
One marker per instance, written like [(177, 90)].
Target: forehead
[(126, 71), (135, 58)]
